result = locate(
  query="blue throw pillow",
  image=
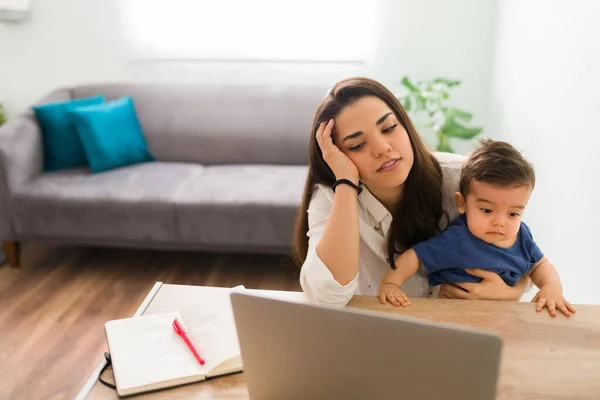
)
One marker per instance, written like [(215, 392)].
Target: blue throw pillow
[(61, 143), (111, 135)]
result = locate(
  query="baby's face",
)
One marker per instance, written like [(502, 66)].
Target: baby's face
[(494, 213)]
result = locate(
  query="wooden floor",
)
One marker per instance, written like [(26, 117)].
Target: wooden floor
[(53, 308)]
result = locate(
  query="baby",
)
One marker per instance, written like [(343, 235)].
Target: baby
[(495, 186)]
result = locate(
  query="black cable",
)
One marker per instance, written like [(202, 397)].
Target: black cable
[(108, 364)]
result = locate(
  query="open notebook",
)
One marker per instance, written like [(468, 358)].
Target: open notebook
[(148, 355)]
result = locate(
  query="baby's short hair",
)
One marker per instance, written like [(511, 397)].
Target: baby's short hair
[(498, 164)]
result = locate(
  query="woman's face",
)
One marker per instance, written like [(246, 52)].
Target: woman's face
[(369, 133)]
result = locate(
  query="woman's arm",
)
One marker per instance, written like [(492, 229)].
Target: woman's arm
[(492, 287), (338, 247), (317, 281)]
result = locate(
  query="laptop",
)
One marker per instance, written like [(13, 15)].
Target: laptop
[(293, 350)]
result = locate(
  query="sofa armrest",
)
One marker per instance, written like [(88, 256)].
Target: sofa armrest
[(21, 157)]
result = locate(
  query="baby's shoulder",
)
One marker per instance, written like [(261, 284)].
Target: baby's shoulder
[(525, 233), (458, 226), (451, 235)]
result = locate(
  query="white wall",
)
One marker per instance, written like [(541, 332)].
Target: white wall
[(454, 39), (545, 100), (67, 42)]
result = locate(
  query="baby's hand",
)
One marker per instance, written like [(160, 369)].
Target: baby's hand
[(551, 296), (393, 293)]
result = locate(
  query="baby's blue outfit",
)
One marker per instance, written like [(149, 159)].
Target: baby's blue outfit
[(446, 256)]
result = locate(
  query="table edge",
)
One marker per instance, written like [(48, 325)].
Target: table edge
[(89, 384)]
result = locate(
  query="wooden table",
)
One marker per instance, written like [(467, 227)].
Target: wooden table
[(543, 358)]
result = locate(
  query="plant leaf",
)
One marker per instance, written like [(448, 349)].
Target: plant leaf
[(452, 113), (437, 125), (420, 102), (429, 94), (445, 148), (448, 82), (2, 115), (409, 85), (454, 129), (407, 103)]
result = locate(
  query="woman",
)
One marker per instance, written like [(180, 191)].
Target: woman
[(390, 193)]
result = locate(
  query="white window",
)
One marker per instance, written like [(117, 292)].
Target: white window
[(252, 30)]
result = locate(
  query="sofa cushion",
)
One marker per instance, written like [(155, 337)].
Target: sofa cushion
[(130, 203), (111, 135), (244, 206), (250, 207), (62, 146), (221, 125)]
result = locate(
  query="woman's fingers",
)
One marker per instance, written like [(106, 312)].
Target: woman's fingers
[(466, 286), (326, 137), (323, 134), (339, 163), (484, 274), (328, 128), (450, 291), (319, 134)]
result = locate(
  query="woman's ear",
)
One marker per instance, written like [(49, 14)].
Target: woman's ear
[(460, 202)]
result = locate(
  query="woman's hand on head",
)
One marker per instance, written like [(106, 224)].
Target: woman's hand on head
[(492, 287), (340, 164)]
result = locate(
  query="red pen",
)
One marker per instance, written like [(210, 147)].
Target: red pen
[(180, 330)]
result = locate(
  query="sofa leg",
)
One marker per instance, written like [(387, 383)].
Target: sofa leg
[(12, 252)]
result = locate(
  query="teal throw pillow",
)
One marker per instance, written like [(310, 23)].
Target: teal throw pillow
[(111, 134), (61, 143)]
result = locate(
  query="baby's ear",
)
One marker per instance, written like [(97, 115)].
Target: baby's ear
[(460, 202)]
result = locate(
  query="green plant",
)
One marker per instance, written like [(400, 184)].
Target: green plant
[(430, 98), (2, 115)]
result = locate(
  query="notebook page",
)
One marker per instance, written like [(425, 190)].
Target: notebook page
[(212, 329), (146, 351)]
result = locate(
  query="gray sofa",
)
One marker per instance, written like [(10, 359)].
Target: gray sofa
[(231, 164)]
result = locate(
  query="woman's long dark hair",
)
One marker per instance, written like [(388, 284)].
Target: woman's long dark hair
[(416, 217)]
